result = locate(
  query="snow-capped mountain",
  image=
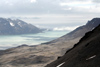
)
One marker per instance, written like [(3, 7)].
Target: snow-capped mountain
[(9, 27)]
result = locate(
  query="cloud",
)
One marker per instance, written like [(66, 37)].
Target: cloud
[(96, 1), (67, 8), (64, 28), (13, 17), (51, 11), (77, 3), (31, 7), (33, 1)]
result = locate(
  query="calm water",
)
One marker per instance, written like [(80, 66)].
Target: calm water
[(9, 41)]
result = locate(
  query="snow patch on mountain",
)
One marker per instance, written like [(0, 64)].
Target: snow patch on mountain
[(91, 57), (65, 28), (60, 64), (19, 23), (12, 24)]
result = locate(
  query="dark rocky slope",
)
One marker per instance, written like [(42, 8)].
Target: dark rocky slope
[(86, 53), (12, 27)]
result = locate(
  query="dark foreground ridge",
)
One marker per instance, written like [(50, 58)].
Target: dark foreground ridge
[(86, 53)]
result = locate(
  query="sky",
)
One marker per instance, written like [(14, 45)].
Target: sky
[(51, 13)]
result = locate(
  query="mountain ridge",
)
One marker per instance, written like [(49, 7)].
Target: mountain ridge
[(78, 32), (15, 27), (83, 54)]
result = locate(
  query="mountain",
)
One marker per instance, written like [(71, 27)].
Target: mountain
[(86, 53), (80, 31), (13, 27), (67, 41), (43, 54)]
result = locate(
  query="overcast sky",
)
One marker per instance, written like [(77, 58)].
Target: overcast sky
[(51, 12)]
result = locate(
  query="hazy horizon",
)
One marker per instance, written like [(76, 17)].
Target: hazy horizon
[(51, 13)]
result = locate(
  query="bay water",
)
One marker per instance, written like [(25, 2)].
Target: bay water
[(8, 41)]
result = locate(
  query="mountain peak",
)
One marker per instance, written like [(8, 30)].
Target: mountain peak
[(94, 22), (16, 26), (96, 18)]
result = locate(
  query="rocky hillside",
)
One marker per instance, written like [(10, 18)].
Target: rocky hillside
[(12, 27), (41, 55), (67, 41), (80, 31), (86, 53)]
